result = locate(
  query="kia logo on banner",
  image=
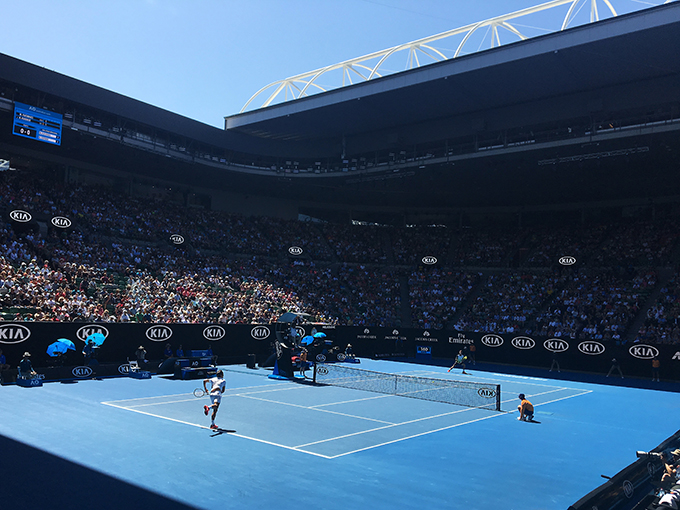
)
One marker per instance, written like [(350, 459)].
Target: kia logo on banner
[(295, 250), (13, 333), (486, 392), (591, 347), (642, 351), (555, 345), (61, 222), (628, 489), (567, 261), (523, 342), (81, 371), (492, 340), (158, 333), (20, 216), (260, 332), (429, 260), (214, 333), (176, 239), (90, 329), (124, 369)]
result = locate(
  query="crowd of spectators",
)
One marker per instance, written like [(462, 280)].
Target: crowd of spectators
[(117, 264)]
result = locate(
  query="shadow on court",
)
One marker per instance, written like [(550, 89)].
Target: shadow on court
[(32, 478)]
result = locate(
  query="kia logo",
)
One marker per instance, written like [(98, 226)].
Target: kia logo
[(158, 333), (61, 222), (214, 333), (81, 371), (567, 261), (260, 332), (628, 489), (295, 250), (176, 239), (486, 392), (20, 216), (429, 260), (322, 370), (523, 342), (13, 333), (591, 347), (124, 369), (643, 351), (492, 340), (90, 329), (555, 345)]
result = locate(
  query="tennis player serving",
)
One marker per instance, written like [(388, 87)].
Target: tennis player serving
[(217, 387)]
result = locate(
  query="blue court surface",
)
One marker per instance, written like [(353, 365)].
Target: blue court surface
[(145, 443)]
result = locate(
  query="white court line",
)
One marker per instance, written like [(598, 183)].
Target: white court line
[(351, 401), (208, 428), (315, 409)]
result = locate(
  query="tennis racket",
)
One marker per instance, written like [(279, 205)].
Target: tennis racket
[(199, 392)]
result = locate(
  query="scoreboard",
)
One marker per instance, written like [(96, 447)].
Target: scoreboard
[(36, 123)]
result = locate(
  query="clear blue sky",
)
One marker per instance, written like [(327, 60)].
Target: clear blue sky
[(205, 58)]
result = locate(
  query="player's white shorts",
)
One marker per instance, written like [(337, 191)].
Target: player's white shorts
[(215, 398)]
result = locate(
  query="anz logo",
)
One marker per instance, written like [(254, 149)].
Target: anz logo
[(321, 358), (214, 333), (567, 260), (295, 250), (591, 347), (486, 392), (643, 351), (20, 216), (555, 345), (158, 333), (429, 260), (61, 222), (176, 239), (81, 371), (13, 333), (523, 342), (90, 329), (492, 340), (260, 332)]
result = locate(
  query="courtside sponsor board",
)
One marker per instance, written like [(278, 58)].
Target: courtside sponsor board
[(556, 345), (260, 332), (13, 333), (91, 329), (158, 333), (642, 351), (492, 340), (523, 342), (591, 348), (214, 333)]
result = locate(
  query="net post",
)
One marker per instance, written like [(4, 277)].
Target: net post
[(498, 397), (314, 372)]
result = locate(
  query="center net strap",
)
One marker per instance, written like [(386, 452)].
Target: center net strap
[(463, 393)]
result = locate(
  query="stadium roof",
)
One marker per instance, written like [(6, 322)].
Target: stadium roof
[(607, 65)]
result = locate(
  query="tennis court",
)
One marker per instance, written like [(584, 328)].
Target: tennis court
[(291, 444)]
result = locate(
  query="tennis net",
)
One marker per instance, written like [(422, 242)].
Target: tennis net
[(461, 393)]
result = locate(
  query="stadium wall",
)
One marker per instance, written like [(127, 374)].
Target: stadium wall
[(235, 342)]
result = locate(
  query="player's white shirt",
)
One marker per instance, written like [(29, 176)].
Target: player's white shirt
[(217, 385)]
